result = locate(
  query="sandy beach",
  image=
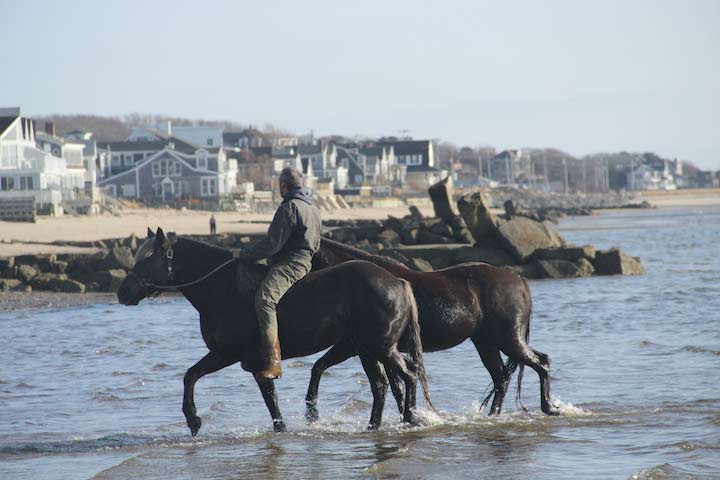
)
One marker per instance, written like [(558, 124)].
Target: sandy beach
[(17, 238)]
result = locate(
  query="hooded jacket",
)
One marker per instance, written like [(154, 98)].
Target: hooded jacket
[(294, 233)]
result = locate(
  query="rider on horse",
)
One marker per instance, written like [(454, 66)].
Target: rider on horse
[(291, 241)]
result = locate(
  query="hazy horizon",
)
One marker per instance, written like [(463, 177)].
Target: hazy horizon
[(642, 76)]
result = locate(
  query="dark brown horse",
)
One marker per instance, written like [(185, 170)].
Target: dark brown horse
[(489, 305), (357, 303)]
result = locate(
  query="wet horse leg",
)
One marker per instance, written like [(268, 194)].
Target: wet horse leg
[(490, 356), (397, 388), (539, 362), (337, 354), (406, 369), (212, 362), (378, 385), (267, 388)]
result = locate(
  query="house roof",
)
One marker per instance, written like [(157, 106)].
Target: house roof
[(155, 145), (309, 149), (5, 123), (408, 147)]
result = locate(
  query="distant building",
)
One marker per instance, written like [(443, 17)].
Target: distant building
[(39, 164), (651, 176), (419, 158), (167, 170)]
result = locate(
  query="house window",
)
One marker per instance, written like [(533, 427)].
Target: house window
[(157, 189), (156, 168), (128, 160), (128, 190), (178, 169), (26, 183), (137, 157), (210, 142), (202, 159), (208, 186), (163, 168), (7, 183), (358, 178), (116, 160)]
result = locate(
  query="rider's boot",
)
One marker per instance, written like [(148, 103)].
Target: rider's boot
[(269, 354)]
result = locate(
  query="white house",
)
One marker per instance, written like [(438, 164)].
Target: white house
[(38, 164)]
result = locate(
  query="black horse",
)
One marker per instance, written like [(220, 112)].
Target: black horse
[(487, 304), (357, 303)]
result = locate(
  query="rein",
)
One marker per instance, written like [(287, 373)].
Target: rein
[(170, 256)]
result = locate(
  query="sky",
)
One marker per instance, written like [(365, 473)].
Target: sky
[(582, 76)]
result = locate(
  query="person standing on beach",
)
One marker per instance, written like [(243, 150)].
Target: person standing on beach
[(213, 225), (291, 241)]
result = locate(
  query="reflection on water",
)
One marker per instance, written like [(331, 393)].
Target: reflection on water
[(96, 391)]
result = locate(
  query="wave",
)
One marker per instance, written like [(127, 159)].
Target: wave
[(663, 472)]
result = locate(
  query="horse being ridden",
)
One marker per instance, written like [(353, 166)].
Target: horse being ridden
[(357, 303), (489, 305)]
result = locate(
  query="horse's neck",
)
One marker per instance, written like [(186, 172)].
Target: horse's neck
[(343, 253), (199, 260)]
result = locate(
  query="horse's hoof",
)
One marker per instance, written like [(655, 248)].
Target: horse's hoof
[(312, 415), (551, 411), (194, 424), (279, 426), (412, 420)]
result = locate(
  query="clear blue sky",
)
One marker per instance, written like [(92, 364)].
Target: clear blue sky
[(581, 76)]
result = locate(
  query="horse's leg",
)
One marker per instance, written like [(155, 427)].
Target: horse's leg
[(212, 362), (337, 354), (397, 388), (490, 356), (405, 368), (378, 385), (267, 388), (540, 362)]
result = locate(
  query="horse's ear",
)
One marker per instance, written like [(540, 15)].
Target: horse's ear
[(150, 233), (160, 237)]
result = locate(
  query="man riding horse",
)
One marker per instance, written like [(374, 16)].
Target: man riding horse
[(291, 241)]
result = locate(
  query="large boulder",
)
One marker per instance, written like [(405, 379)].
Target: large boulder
[(420, 264), (522, 236), (440, 194), (118, 257), (131, 242), (9, 283), (564, 268), (101, 281), (479, 219), (7, 263), (43, 263), (617, 262), (56, 283), (26, 273), (570, 254)]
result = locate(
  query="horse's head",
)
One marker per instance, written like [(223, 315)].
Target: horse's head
[(153, 267)]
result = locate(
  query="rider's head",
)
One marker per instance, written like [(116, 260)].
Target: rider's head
[(290, 178)]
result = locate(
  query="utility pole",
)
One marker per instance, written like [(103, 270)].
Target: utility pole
[(547, 180), (507, 168), (584, 175), (566, 173)]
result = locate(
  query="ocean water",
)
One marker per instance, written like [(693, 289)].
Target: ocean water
[(95, 392)]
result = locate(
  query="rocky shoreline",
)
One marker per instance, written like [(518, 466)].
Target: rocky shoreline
[(519, 240)]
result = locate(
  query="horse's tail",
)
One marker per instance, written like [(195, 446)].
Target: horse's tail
[(415, 344)]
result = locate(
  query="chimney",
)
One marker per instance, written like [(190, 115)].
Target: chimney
[(50, 128)]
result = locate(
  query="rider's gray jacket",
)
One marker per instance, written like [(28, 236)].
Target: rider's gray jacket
[(294, 234)]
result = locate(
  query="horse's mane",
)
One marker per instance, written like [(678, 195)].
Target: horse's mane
[(358, 254)]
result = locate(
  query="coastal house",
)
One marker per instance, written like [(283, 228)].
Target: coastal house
[(93, 162), (246, 138), (418, 156), (167, 170), (38, 164), (650, 177)]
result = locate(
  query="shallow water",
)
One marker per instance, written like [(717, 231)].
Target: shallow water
[(96, 391)]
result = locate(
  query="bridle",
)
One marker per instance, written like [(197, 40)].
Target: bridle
[(170, 256)]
